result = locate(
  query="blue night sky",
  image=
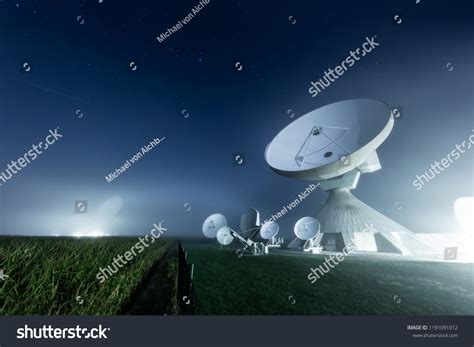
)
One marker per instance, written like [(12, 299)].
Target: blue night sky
[(86, 67)]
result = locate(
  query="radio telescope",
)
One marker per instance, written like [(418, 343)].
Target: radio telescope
[(269, 230), (212, 224), (224, 236), (334, 145), (250, 220), (250, 224), (251, 229), (215, 226), (308, 229)]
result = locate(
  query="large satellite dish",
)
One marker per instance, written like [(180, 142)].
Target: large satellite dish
[(224, 236), (269, 230), (306, 228), (334, 145), (312, 146), (212, 224)]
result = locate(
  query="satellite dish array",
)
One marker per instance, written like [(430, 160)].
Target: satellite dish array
[(333, 145), (215, 226)]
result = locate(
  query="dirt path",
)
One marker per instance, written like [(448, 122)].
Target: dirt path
[(158, 293)]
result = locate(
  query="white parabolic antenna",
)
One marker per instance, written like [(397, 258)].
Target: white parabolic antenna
[(330, 140), (306, 228), (269, 230), (334, 145), (212, 224), (224, 236)]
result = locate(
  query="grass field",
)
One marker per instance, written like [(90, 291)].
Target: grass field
[(278, 284), (56, 276)]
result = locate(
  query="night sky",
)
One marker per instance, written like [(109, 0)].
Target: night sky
[(80, 78)]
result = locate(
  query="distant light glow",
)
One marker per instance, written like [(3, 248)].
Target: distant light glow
[(464, 211), (90, 233)]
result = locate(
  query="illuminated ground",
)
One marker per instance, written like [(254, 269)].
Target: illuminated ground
[(277, 284)]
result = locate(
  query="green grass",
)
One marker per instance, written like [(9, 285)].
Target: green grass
[(278, 284), (44, 276)]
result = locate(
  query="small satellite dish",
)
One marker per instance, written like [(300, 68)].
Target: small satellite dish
[(306, 228), (313, 146), (269, 230), (224, 237), (212, 224)]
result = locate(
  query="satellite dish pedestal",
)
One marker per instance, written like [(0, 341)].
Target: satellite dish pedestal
[(312, 245), (275, 242), (347, 220)]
